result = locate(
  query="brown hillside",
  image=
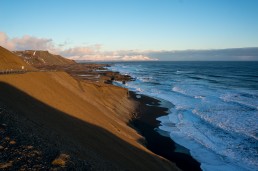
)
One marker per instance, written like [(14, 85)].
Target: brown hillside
[(89, 119), (9, 61), (37, 57)]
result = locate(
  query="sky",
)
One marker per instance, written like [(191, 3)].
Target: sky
[(127, 29)]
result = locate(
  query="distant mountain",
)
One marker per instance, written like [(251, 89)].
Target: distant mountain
[(37, 57), (10, 61)]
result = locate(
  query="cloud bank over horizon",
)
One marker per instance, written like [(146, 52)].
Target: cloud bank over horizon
[(95, 52), (91, 53), (24, 43)]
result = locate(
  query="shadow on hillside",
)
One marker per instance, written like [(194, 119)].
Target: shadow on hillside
[(90, 140)]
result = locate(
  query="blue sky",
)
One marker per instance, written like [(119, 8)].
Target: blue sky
[(143, 25)]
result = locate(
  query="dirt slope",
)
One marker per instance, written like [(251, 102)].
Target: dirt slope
[(91, 116), (8, 60), (87, 120)]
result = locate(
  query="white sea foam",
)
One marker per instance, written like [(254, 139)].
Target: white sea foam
[(216, 122), (179, 90), (138, 96), (244, 99), (145, 79), (183, 72), (199, 97)]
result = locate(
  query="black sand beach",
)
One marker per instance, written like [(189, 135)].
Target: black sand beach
[(145, 122)]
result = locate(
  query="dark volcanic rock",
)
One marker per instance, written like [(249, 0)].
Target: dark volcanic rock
[(89, 72)]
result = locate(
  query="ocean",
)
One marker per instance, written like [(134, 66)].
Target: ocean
[(213, 108)]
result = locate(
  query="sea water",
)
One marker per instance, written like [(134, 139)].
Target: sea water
[(215, 108)]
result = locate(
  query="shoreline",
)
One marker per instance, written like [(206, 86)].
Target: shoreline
[(65, 107), (101, 141), (76, 111), (145, 124), (86, 120)]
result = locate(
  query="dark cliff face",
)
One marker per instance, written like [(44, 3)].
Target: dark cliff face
[(36, 57)]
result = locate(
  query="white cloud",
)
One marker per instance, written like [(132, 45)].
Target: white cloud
[(106, 57), (137, 58), (81, 50), (92, 52), (26, 42), (3, 37)]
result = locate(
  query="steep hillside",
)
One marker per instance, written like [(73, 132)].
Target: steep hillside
[(9, 61), (37, 57), (88, 120)]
